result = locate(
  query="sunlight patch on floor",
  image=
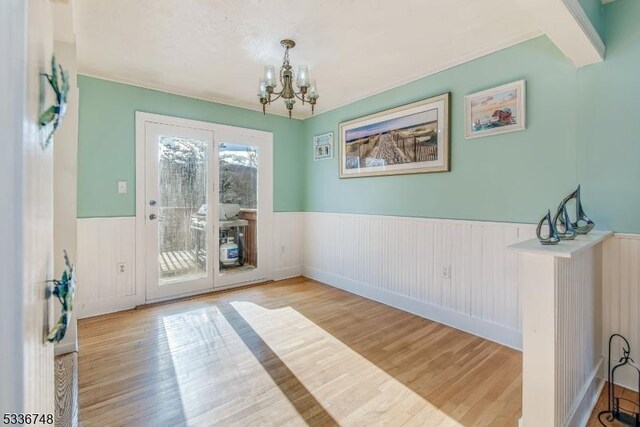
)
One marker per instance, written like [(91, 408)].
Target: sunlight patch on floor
[(214, 369), (212, 361), (350, 388)]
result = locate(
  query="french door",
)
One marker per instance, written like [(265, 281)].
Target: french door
[(243, 195), (207, 205)]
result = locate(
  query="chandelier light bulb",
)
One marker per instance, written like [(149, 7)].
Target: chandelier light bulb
[(303, 76), (262, 89), (313, 90), (269, 76)]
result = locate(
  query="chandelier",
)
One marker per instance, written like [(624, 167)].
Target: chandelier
[(307, 89)]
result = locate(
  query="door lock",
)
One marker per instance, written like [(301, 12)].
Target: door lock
[(152, 203)]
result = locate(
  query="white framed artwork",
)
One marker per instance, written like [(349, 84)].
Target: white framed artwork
[(323, 146), (495, 111)]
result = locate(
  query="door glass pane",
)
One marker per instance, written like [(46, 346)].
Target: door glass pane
[(182, 209), (238, 214)]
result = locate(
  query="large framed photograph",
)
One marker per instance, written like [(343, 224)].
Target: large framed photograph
[(323, 146), (413, 138), (495, 111)]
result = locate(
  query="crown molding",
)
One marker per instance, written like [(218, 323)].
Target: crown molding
[(583, 20)]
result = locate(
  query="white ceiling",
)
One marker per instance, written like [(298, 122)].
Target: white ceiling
[(216, 49)]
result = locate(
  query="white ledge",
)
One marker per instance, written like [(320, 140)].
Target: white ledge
[(564, 249)]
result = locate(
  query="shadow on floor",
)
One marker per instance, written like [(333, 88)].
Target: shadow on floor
[(472, 380), (127, 366), (304, 402)]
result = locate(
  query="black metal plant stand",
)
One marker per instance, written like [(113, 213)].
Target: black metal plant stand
[(615, 412)]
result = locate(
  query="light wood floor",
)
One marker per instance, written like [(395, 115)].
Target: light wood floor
[(293, 352), (66, 390), (602, 405)]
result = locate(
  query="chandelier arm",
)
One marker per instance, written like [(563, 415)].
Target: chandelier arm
[(301, 98), (279, 94)]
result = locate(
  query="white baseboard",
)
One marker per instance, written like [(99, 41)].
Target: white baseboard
[(106, 306), (588, 399), (497, 333), (287, 273)]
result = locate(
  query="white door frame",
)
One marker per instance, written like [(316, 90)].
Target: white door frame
[(13, 115), (266, 256)]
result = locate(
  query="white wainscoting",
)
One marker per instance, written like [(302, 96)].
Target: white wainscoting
[(105, 243), (621, 299), (399, 261), (395, 260), (578, 329), (287, 244)]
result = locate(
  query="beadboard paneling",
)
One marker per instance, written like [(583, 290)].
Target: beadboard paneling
[(287, 245), (578, 326), (103, 244), (621, 299), (400, 260)]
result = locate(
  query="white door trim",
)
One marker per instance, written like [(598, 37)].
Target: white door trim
[(140, 120), (13, 107)]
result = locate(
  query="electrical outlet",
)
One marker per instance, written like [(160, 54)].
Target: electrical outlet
[(446, 271), (122, 187), (122, 268)]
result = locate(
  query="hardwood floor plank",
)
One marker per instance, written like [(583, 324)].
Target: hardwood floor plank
[(66, 390), (602, 405), (293, 352)]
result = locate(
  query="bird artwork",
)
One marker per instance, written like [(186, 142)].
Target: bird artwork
[(64, 289), (60, 84)]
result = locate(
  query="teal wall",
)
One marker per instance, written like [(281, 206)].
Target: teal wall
[(609, 123), (582, 126), (106, 143), (510, 177)]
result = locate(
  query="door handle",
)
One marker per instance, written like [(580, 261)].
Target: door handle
[(153, 217)]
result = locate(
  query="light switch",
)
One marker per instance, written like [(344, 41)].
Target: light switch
[(122, 187)]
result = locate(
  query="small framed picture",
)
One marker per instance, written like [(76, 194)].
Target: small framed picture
[(494, 111), (323, 146)]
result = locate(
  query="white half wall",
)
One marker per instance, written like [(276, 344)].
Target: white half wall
[(403, 262)]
